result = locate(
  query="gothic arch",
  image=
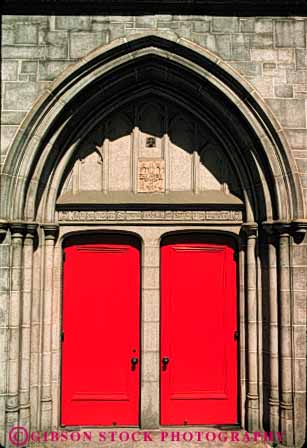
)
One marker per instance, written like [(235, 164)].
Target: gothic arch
[(157, 67), (148, 63)]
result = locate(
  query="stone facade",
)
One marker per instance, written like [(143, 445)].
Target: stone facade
[(74, 91)]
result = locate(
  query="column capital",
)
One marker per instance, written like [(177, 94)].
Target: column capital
[(282, 227), (299, 227), (50, 230), (250, 228), (30, 232), (17, 229), (4, 225)]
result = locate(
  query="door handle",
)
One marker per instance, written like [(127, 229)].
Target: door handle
[(165, 361), (134, 362)]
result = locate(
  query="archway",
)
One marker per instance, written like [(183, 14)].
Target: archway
[(262, 197)]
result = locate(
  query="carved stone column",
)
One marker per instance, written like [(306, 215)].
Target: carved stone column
[(253, 420), (273, 329), (4, 304), (285, 336), (24, 392), (50, 234), (12, 409)]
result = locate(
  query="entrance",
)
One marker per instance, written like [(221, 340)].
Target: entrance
[(101, 332), (198, 332)]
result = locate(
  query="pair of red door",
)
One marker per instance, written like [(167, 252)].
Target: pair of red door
[(101, 353)]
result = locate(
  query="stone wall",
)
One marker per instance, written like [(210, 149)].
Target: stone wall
[(268, 52)]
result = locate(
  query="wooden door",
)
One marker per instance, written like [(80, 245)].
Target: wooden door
[(101, 333), (198, 332)]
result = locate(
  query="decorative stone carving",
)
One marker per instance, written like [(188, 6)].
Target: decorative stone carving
[(150, 176), (153, 215)]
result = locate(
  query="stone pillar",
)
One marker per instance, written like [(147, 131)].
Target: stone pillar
[(285, 336), (4, 305), (12, 409), (273, 330), (242, 314), (24, 392), (150, 331), (253, 421), (50, 233)]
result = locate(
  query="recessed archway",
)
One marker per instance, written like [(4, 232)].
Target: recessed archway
[(154, 70)]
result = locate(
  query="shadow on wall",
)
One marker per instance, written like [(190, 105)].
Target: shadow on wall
[(166, 142)]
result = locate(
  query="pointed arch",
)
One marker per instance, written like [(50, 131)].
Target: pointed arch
[(130, 68)]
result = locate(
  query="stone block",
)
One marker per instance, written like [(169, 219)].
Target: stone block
[(23, 52), (8, 35), (299, 341), (263, 25), (290, 33), (102, 26), (247, 25), (219, 44), (225, 25), (299, 317), (248, 68), (7, 135), (151, 256), (300, 418), (21, 95), (28, 67), (284, 91), (151, 311), (302, 165), (304, 181), (201, 26), (261, 40), (117, 30), (151, 278), (4, 255), (241, 47), (301, 59), (296, 77), (269, 69), (49, 70), (299, 253), (26, 33), (151, 336), (263, 55), (290, 112), (57, 44), (83, 43), (9, 70), (145, 22), (31, 18), (264, 86), (73, 23), (150, 405), (150, 364), (285, 55), (116, 19), (184, 29)]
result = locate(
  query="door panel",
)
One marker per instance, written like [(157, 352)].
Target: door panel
[(198, 324), (101, 325)]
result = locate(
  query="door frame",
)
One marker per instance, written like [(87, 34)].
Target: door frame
[(205, 236)]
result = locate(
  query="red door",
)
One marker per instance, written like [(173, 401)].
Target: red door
[(198, 333), (101, 340)]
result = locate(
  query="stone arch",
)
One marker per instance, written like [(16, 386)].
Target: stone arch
[(177, 71), (43, 127)]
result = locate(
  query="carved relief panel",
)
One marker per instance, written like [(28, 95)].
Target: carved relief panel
[(148, 147)]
